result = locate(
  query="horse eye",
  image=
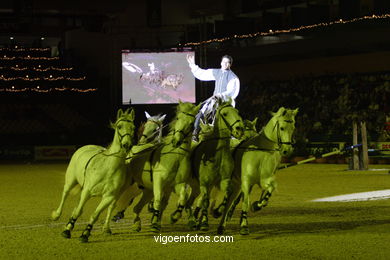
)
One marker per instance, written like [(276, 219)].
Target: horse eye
[(225, 114), (282, 128)]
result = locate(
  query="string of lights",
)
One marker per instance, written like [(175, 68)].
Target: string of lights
[(28, 57), (50, 78), (285, 31), (16, 48), (38, 89), (17, 68)]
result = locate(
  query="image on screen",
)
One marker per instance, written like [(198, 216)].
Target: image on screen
[(156, 78)]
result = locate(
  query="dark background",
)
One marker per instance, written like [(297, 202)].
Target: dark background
[(90, 36)]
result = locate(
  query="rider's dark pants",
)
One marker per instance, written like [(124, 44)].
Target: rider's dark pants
[(198, 116)]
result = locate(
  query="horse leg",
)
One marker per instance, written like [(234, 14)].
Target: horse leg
[(104, 203), (121, 214), (266, 193), (70, 183), (180, 190), (192, 215), (204, 201), (147, 195), (227, 189), (156, 218), (106, 226), (245, 188), (125, 200), (236, 195), (233, 207), (85, 195)]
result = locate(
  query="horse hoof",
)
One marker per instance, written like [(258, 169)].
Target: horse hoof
[(120, 215), (150, 207), (255, 206), (204, 227), (173, 220), (155, 228), (55, 216), (220, 230), (137, 227), (216, 213), (192, 225), (83, 239), (244, 231), (107, 232), (175, 216), (66, 233)]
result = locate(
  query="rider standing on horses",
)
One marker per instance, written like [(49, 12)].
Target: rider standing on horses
[(227, 85)]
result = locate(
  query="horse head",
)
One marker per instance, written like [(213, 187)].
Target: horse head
[(280, 129), (250, 128), (184, 123), (151, 130), (228, 118), (124, 128), (206, 131)]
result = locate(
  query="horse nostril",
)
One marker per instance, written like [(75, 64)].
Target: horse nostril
[(284, 152)]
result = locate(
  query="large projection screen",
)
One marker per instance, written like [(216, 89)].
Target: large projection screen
[(156, 77)]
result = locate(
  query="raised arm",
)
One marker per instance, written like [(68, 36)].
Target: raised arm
[(201, 74)]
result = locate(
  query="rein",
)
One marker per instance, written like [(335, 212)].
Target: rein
[(279, 141), (230, 127), (157, 132), (185, 135)]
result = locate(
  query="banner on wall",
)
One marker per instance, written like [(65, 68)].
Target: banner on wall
[(16, 152), (54, 152)]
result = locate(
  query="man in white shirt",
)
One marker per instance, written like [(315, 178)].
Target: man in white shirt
[(227, 85)]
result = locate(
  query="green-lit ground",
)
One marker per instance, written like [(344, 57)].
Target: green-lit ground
[(291, 227)]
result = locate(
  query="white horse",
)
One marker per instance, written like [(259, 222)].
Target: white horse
[(163, 169), (257, 160), (100, 172), (150, 134)]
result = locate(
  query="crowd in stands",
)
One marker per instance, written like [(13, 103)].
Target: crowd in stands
[(327, 104)]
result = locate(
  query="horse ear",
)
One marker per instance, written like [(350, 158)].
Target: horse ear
[(296, 111), (197, 108), (281, 111), (147, 115), (180, 102), (119, 113), (162, 117), (132, 114), (254, 122)]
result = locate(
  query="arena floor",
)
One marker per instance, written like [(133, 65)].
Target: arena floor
[(291, 227)]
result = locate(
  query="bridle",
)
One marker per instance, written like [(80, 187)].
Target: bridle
[(185, 135), (229, 126), (278, 136), (157, 132), (119, 133)]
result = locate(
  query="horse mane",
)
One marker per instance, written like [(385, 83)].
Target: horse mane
[(206, 131), (181, 107), (140, 130)]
